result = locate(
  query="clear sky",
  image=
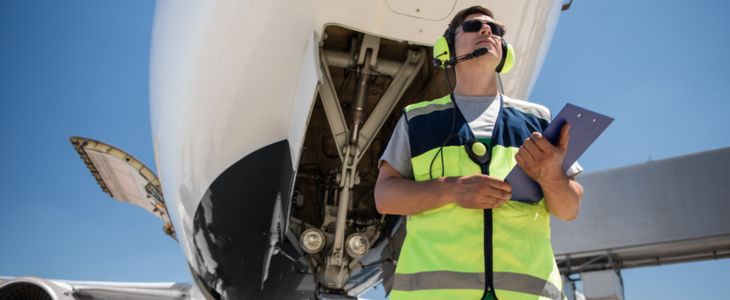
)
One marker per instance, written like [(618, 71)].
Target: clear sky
[(81, 68)]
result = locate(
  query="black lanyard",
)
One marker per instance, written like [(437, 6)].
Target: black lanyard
[(478, 152)]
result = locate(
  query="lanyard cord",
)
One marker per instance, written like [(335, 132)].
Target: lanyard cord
[(453, 123), (451, 134), (446, 140)]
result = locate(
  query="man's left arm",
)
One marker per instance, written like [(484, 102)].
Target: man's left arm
[(543, 163)]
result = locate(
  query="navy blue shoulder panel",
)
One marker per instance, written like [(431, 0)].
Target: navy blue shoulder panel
[(515, 126), (433, 130)]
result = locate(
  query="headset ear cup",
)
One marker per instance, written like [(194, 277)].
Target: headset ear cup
[(441, 53), (508, 58)]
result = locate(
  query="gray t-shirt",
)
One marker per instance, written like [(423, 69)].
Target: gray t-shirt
[(479, 111)]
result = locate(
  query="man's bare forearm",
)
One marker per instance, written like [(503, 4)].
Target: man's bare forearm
[(562, 197), (399, 196), (396, 195)]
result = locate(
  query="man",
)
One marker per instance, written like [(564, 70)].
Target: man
[(465, 239)]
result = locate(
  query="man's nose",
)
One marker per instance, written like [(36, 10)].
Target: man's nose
[(486, 30)]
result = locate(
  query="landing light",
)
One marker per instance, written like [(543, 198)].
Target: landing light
[(357, 245), (312, 240)]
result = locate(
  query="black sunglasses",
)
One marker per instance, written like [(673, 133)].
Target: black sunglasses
[(476, 25)]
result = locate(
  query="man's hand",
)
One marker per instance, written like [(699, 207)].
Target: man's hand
[(482, 192), (541, 160), (396, 195), (543, 163)]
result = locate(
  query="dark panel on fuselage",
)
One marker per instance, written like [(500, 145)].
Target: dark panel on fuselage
[(232, 228)]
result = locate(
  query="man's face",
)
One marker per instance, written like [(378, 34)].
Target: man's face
[(467, 42)]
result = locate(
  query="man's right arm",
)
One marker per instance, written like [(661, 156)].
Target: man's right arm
[(396, 195)]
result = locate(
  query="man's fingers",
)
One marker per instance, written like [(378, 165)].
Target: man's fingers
[(502, 200), (530, 145), (486, 180), (502, 195), (500, 185), (492, 201), (520, 158), (498, 194), (541, 142), (564, 136), (528, 150)]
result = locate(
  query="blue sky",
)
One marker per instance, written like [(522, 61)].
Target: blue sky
[(81, 68)]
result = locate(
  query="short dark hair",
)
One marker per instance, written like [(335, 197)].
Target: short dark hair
[(477, 9)]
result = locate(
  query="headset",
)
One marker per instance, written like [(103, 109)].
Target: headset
[(444, 57), (444, 54)]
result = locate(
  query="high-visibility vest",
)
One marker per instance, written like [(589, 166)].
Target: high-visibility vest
[(451, 252)]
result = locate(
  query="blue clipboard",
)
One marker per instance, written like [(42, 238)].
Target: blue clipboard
[(585, 127)]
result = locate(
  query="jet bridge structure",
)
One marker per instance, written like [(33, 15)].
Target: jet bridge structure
[(658, 212)]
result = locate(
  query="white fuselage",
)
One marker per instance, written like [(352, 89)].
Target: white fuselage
[(229, 77)]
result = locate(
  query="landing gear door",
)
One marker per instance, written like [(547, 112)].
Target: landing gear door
[(124, 178)]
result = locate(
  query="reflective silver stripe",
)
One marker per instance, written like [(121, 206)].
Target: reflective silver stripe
[(515, 282), (428, 109), (439, 280), (527, 284)]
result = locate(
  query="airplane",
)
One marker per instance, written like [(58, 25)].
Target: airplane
[(263, 179)]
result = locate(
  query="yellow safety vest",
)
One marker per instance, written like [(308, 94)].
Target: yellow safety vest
[(447, 253)]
